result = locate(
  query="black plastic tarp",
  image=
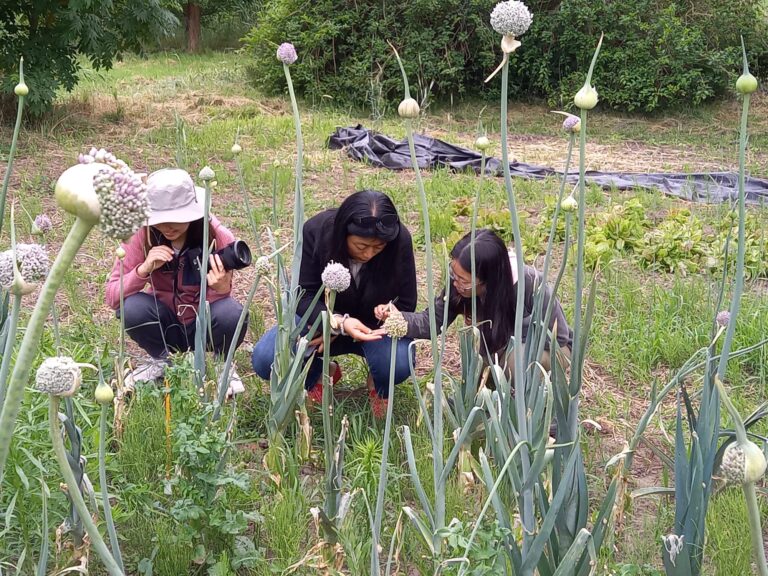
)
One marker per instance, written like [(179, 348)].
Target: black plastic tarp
[(382, 151)]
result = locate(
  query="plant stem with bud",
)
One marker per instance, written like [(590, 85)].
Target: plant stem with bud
[(31, 341)]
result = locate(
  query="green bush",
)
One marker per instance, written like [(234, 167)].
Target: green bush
[(656, 53)]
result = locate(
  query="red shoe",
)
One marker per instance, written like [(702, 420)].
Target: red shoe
[(378, 405), (315, 394)]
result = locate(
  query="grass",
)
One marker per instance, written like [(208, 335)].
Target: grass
[(646, 325)]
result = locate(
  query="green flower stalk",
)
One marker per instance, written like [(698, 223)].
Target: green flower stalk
[(744, 463), (396, 328), (201, 321), (483, 144), (286, 53), (113, 568), (21, 91), (75, 192), (105, 395), (437, 436)]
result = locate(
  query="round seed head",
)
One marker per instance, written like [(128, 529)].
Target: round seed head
[(21, 89), (124, 204), (743, 463), (236, 149), (263, 266), (33, 262), (58, 376), (723, 318), (569, 204), (482, 143), (104, 393), (396, 325), (336, 276), (511, 18), (286, 53), (6, 269)]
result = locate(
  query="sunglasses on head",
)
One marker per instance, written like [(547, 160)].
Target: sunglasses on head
[(386, 221)]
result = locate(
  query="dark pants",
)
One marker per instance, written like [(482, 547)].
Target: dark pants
[(156, 328), (376, 354)]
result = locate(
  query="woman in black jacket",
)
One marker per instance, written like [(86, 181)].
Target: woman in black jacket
[(365, 235), (496, 288)]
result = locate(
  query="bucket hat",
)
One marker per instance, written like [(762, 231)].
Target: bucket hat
[(173, 197)]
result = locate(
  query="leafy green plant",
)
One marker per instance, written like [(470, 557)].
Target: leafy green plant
[(616, 232), (485, 556), (676, 245)]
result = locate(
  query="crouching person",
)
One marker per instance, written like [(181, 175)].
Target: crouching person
[(161, 280)]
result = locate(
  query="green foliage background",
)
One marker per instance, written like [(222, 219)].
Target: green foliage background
[(656, 54), (52, 35)]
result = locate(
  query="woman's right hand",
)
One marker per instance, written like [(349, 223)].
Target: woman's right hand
[(382, 311), (156, 257)]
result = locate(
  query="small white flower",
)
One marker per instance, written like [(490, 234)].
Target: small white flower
[(336, 276), (511, 18)]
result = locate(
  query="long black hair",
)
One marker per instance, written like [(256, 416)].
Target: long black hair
[(496, 309)]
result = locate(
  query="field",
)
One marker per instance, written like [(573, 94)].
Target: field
[(655, 304)]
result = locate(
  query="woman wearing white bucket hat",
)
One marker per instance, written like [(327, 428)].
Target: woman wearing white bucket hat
[(162, 255)]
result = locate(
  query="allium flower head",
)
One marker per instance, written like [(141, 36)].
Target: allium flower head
[(207, 174), (41, 225), (511, 18), (58, 376), (263, 266), (32, 261), (286, 53), (336, 276), (723, 318), (6, 269), (572, 123), (103, 157), (396, 325), (123, 199)]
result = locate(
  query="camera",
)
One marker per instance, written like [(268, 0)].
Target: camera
[(236, 256)]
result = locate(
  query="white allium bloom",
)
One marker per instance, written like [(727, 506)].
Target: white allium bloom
[(42, 224), (336, 276), (396, 325), (511, 18), (59, 376), (123, 199), (263, 266), (103, 157)]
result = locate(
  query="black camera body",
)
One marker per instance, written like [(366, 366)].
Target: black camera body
[(236, 256)]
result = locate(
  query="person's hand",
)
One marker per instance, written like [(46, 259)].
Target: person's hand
[(156, 257), (359, 331), (218, 278), (318, 344), (382, 311)]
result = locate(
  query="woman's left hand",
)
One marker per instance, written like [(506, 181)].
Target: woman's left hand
[(218, 279)]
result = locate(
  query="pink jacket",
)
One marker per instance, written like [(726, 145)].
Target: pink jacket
[(181, 298)]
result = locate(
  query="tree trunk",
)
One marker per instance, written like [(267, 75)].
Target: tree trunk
[(192, 26)]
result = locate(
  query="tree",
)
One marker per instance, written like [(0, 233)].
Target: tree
[(195, 11), (53, 36)]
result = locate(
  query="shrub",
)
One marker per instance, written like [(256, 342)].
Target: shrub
[(656, 54)]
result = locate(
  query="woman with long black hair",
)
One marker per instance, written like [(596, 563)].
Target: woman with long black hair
[(496, 288), (364, 234)]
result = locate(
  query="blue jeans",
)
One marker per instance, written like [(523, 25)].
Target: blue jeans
[(376, 354)]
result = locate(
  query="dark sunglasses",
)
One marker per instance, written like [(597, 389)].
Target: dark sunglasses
[(386, 221)]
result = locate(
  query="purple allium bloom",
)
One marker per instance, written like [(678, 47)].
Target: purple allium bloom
[(123, 199), (33, 263), (42, 224), (511, 18), (336, 276), (723, 318), (571, 123), (286, 53)]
